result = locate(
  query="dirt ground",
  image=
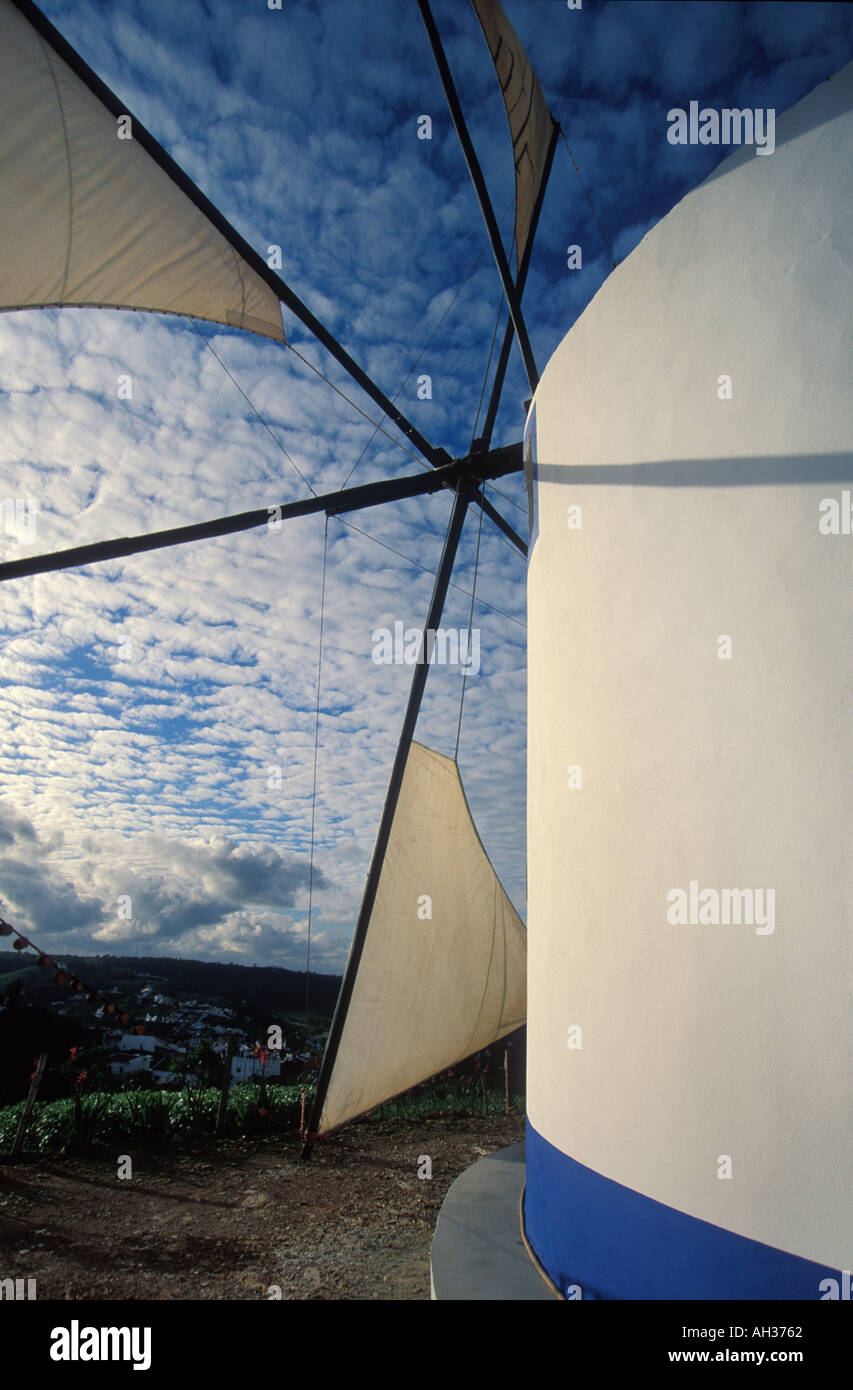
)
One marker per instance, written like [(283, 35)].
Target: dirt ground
[(241, 1217)]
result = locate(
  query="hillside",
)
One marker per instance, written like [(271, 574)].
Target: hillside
[(267, 988)]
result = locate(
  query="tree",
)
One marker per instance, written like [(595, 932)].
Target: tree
[(201, 1069)]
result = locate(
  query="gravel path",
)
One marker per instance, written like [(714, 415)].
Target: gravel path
[(237, 1219)]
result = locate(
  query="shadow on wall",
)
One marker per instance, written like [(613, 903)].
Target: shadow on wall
[(759, 471)]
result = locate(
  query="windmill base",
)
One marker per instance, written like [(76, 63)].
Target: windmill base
[(477, 1252)]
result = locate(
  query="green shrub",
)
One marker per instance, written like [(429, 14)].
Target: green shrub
[(108, 1119), (111, 1119)]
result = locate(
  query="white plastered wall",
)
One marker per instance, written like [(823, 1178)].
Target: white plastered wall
[(711, 1040)]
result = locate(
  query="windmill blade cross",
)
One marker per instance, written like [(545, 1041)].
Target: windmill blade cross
[(476, 467), (512, 298)]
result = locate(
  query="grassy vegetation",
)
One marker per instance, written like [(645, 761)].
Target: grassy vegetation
[(112, 1119), (456, 1102), (104, 1119)]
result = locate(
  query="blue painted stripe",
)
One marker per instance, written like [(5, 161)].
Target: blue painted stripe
[(615, 1243)]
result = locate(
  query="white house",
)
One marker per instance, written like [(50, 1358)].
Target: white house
[(244, 1068), (121, 1064)]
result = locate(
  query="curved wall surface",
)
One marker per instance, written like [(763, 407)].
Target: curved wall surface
[(690, 1063)]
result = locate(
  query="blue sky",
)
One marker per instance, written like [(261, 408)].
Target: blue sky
[(146, 701)]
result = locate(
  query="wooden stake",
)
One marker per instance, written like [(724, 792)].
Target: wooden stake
[(226, 1083), (506, 1076), (27, 1110)]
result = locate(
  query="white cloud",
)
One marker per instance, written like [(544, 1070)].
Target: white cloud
[(152, 770)]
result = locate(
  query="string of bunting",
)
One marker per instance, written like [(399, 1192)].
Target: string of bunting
[(67, 977)]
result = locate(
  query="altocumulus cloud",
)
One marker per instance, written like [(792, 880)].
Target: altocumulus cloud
[(157, 714)]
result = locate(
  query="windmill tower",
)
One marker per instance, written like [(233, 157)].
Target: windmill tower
[(689, 1087)]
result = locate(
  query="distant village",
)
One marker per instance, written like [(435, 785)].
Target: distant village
[(174, 1028)]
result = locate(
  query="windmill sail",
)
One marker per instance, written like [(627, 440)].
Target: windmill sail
[(431, 989), (90, 218), (97, 214), (530, 123)]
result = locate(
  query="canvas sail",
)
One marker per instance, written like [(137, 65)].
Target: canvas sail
[(443, 968), (530, 122), (90, 219)]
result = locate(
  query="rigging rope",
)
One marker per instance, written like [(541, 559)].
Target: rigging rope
[(363, 413), (377, 425), (277, 442), (251, 405), (316, 745), (417, 565), (506, 497), (589, 200), (460, 288), (501, 537), (486, 374), (470, 625)]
